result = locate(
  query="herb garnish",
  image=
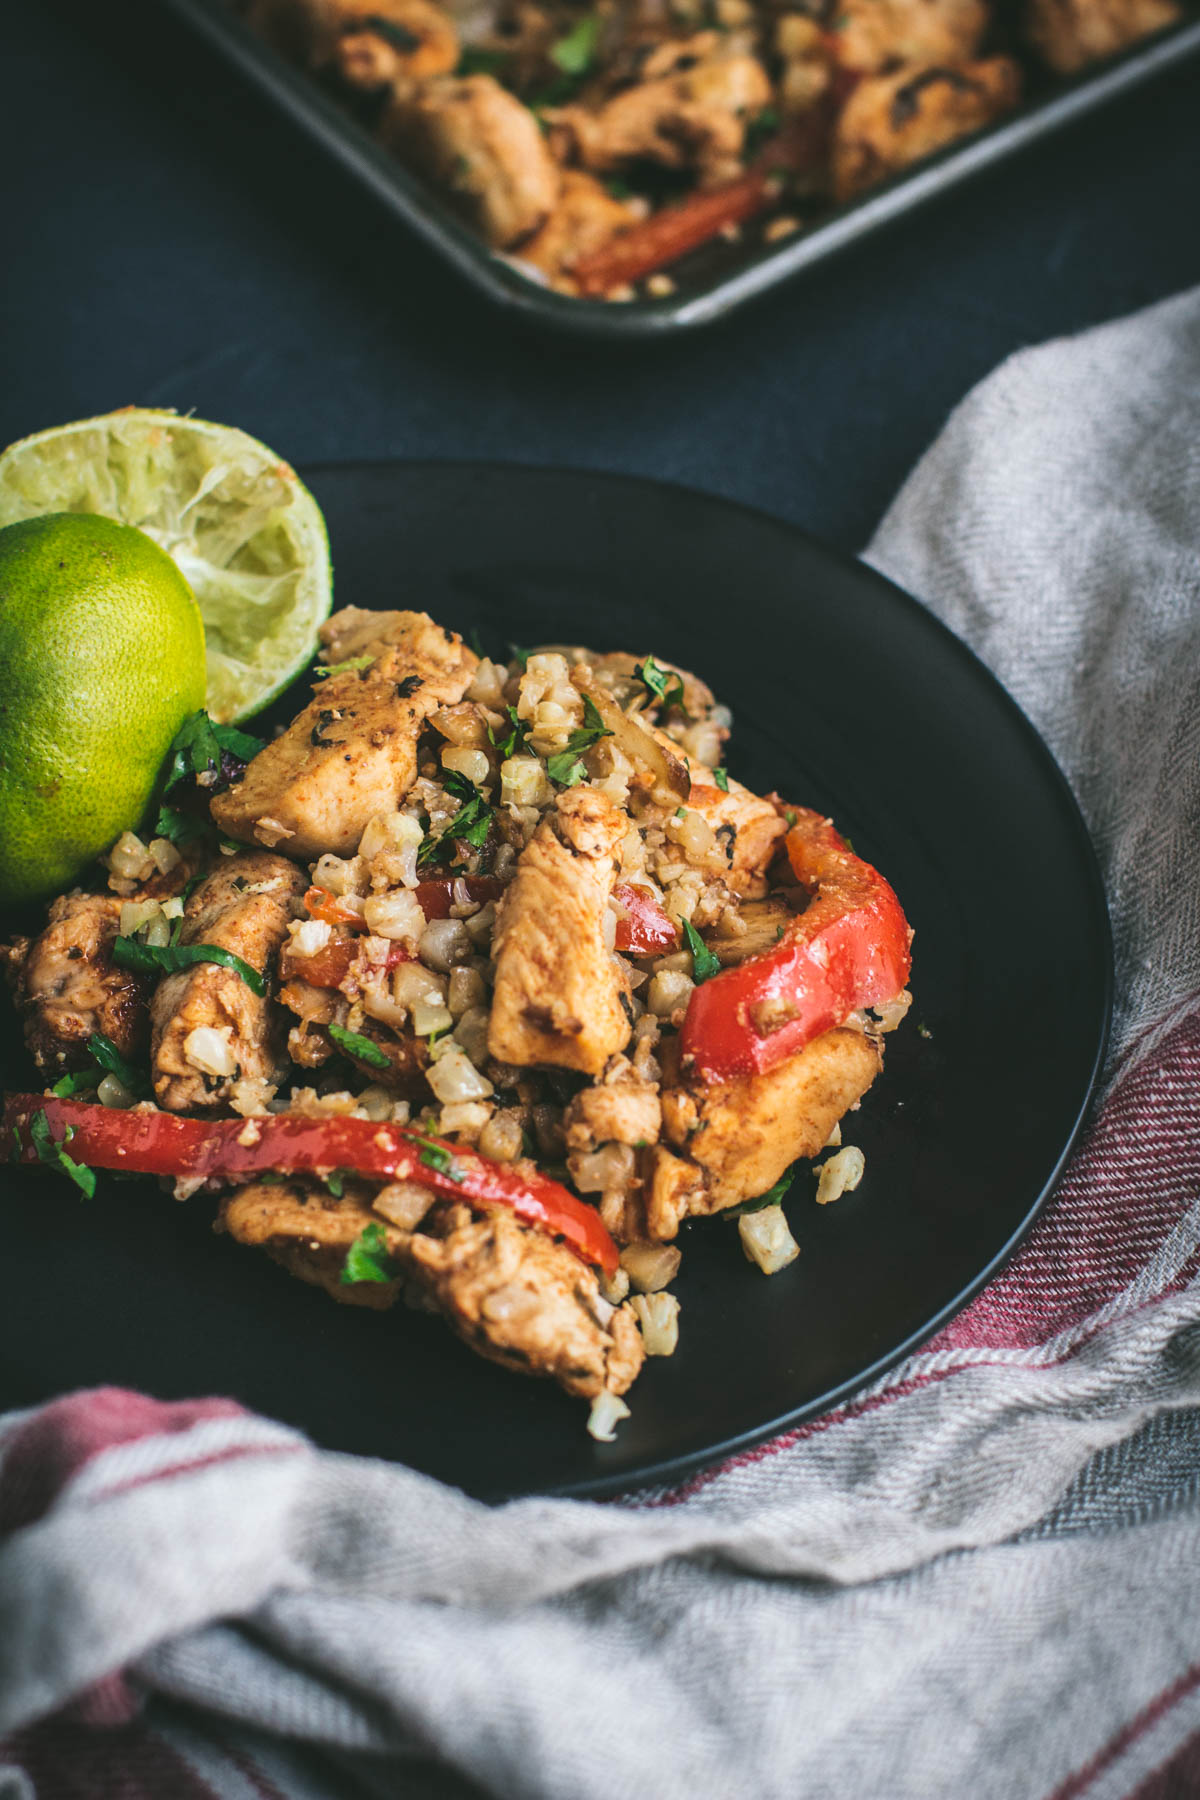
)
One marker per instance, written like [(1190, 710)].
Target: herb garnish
[(50, 1150), (149, 959), (75, 1084), (103, 1051), (354, 1044), (197, 746), (367, 1258), (575, 52), (758, 130), (516, 739), (564, 766), (343, 668), (704, 964), (439, 1159), (665, 684), (721, 777), (772, 1197), (517, 655), (470, 823), (336, 1183)]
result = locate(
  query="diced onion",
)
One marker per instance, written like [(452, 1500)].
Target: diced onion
[(651, 1266), (136, 913), (465, 761), (834, 1138), (840, 1175), (658, 1316), (114, 1093), (891, 1013), (403, 1203), (607, 1412), (502, 1138), (207, 1048), (669, 990), (130, 859), (454, 1077), (767, 1240), (376, 1102), (693, 834), (464, 1119)]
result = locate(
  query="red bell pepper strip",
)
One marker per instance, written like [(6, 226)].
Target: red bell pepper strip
[(848, 948), (329, 967), (671, 232), (324, 905), (644, 929), (236, 1150)]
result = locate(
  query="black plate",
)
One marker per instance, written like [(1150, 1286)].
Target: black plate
[(848, 696)]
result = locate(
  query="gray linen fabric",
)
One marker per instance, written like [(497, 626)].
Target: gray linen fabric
[(983, 1576)]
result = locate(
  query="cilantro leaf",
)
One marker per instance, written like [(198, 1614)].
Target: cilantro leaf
[(564, 766), (367, 1258), (721, 777), (575, 52), (75, 1084), (149, 959), (336, 1183), (566, 769), (516, 739), (178, 827), (470, 823), (704, 964), (323, 670), (665, 685), (772, 1197), (50, 1151), (103, 1051), (354, 1044), (197, 745), (438, 1158)]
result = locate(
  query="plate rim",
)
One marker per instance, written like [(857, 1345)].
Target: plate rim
[(672, 1471)]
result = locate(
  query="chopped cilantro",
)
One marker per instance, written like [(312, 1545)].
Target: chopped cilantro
[(665, 685), (438, 1158), (721, 777), (197, 745), (516, 739), (336, 1183), (476, 61), (50, 1150), (351, 663), (565, 767), (704, 964), (75, 1084), (772, 1197), (789, 819), (681, 812), (470, 823), (620, 190), (367, 1258), (575, 52), (103, 1051), (354, 1044), (149, 959), (178, 827), (759, 129)]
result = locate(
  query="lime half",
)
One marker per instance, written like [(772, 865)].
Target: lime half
[(237, 521)]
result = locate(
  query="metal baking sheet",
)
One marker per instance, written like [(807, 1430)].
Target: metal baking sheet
[(734, 273)]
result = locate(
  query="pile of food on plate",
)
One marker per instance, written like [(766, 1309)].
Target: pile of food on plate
[(597, 143), (470, 987)]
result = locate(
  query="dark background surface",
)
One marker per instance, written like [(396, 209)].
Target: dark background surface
[(171, 241)]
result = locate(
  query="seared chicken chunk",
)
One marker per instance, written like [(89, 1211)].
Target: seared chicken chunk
[(584, 218), (1071, 33), (748, 824), (689, 110), (890, 121), (210, 1030), (483, 147), (516, 1296), (741, 1135), (67, 986), (621, 1111), (371, 43), (560, 996), (352, 752), (875, 35)]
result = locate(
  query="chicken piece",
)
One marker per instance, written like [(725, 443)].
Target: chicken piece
[(244, 907), (482, 147), (675, 1189), (373, 44), (688, 110), (524, 1300), (871, 36), (891, 121), (560, 995), (352, 752), (515, 1295), (620, 1111), (742, 1135), (807, 73), (749, 824), (1069, 34), (585, 217), (66, 985)]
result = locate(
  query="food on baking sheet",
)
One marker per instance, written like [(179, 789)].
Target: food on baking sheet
[(598, 144), (471, 986)]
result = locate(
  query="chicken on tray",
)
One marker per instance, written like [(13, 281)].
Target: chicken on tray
[(470, 987), (596, 144)]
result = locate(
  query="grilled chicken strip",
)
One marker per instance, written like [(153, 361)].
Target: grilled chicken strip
[(244, 907), (890, 121), (735, 1139), (67, 986), (371, 43), (749, 823), (560, 996), (874, 35), (516, 1296), (352, 752)]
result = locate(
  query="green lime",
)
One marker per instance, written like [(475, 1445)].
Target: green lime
[(245, 531), (101, 659)]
